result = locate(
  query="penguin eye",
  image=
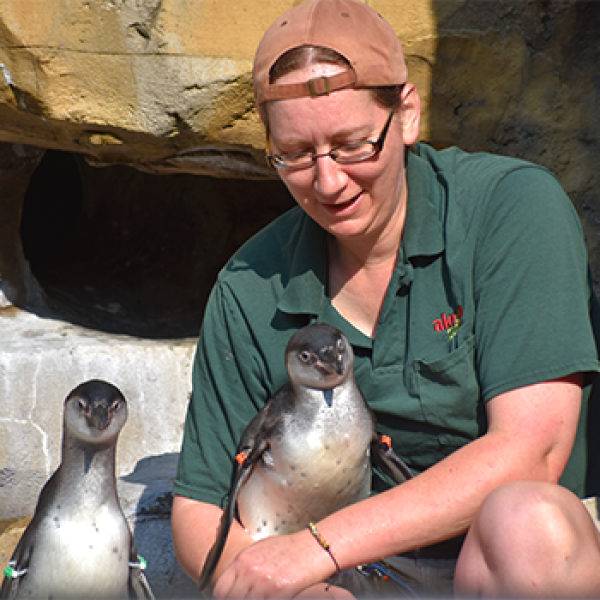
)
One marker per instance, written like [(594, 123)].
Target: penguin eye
[(114, 407), (340, 345), (305, 356), (83, 405)]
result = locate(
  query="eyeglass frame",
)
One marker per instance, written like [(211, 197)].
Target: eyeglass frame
[(377, 147)]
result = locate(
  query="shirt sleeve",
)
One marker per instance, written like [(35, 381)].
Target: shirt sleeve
[(532, 292), (226, 382)]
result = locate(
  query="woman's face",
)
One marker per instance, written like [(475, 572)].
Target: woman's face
[(350, 201)]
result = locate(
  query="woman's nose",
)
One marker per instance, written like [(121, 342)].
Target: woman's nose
[(330, 176)]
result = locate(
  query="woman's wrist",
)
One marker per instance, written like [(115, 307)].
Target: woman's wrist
[(324, 561), (323, 543)]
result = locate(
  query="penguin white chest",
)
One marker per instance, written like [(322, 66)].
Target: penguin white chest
[(81, 557), (314, 469)]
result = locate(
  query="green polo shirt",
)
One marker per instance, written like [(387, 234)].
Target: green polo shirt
[(490, 293)]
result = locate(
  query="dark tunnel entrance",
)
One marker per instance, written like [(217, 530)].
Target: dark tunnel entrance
[(52, 207), (127, 252)]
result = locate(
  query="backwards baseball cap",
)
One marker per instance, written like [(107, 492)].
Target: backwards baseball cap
[(351, 28)]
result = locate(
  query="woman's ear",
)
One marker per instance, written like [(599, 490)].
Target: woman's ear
[(411, 114)]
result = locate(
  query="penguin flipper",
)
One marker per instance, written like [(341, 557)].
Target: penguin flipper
[(138, 586), (9, 590), (229, 512), (18, 564), (10, 587), (384, 457)]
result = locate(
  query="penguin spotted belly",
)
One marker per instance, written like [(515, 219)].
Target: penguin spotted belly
[(304, 479), (72, 559)]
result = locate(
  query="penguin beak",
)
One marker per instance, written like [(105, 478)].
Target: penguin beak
[(98, 416), (331, 362)]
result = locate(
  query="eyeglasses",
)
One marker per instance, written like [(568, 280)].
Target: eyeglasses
[(345, 154)]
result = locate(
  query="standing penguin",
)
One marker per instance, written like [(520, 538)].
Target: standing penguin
[(78, 543), (309, 451)]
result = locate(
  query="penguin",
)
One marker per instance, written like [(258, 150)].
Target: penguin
[(78, 543), (309, 451)]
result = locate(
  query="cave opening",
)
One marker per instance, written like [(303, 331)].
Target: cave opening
[(128, 252)]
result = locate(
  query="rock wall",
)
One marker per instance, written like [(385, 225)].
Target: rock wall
[(135, 82)]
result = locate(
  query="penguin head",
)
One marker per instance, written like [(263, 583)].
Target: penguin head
[(95, 412), (319, 356)]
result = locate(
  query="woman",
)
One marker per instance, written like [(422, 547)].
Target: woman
[(439, 267)]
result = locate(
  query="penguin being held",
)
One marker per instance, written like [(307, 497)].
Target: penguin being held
[(309, 451), (78, 543)]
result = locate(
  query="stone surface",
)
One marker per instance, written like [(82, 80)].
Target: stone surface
[(135, 82), (146, 499), (162, 84), (17, 164)]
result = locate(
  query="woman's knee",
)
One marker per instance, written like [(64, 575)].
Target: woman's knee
[(526, 533), (530, 517)]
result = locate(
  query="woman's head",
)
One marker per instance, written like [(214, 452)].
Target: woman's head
[(329, 76), (341, 156)]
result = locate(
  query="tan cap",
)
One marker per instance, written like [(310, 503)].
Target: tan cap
[(353, 29)]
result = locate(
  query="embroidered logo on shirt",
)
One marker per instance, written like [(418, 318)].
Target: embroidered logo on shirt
[(449, 323)]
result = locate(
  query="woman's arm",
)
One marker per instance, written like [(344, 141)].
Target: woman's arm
[(195, 526), (192, 523)]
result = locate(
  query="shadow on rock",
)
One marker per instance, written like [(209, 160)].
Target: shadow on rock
[(146, 499)]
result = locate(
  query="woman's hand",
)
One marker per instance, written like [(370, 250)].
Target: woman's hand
[(280, 566)]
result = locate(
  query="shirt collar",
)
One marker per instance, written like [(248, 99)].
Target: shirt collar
[(305, 292), (423, 233)]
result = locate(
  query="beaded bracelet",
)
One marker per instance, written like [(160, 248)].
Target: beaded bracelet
[(323, 543)]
